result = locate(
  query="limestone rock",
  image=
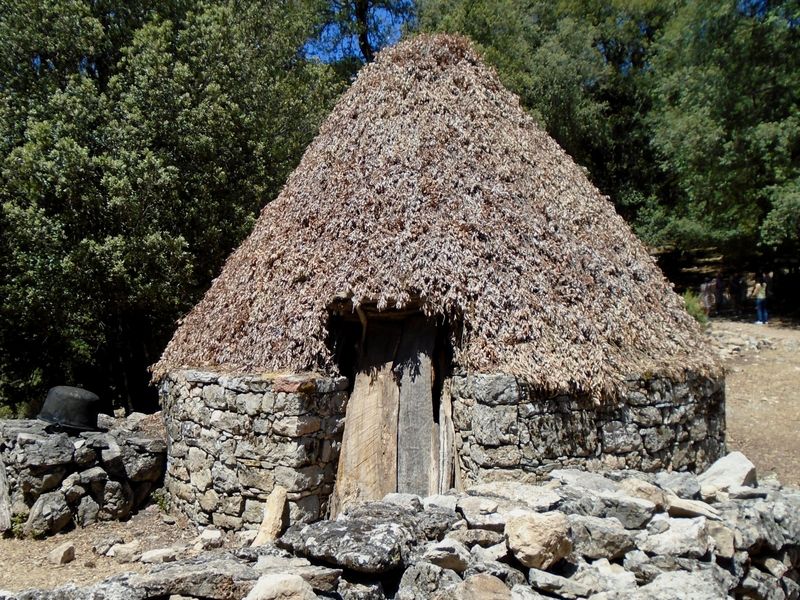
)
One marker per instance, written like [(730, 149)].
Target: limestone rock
[(538, 540), (479, 537), (62, 554), (479, 587), (281, 586), (160, 555), (321, 579), (596, 537), (504, 572), (366, 547), (217, 576), (125, 553), (372, 590), (729, 471), (680, 507), (602, 576), (481, 513), (682, 537), (535, 497), (210, 538), (555, 584), (683, 485), (409, 501), (276, 517), (422, 580), (49, 514), (440, 500), (448, 554), (639, 488), (679, 585)]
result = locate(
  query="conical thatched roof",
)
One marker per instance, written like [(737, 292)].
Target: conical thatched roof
[(429, 182)]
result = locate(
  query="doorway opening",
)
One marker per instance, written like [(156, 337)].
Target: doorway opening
[(398, 434)]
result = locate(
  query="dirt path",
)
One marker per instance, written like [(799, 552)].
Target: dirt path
[(763, 394)]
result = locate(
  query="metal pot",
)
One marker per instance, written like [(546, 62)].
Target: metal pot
[(71, 408)]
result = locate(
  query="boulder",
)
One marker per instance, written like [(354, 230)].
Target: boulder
[(448, 554), (733, 470), (49, 514), (681, 537), (503, 571), (126, 553), (596, 537), (422, 580), (683, 485), (535, 497), (478, 587), (638, 488), (679, 585), (562, 587), (538, 540), (281, 586), (476, 537), (321, 579), (366, 547)]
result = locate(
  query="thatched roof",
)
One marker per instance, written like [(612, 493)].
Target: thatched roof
[(429, 183)]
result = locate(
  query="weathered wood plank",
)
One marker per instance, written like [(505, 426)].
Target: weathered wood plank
[(368, 458), (415, 427), (447, 440)]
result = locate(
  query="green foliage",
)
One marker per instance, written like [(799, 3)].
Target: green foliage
[(695, 307), (685, 113), (137, 143), (725, 90)]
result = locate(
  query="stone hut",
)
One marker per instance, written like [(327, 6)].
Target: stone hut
[(439, 296)]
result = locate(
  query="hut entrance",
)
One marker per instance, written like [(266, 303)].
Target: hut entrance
[(393, 434)]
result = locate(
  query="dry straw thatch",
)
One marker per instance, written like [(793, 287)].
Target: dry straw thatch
[(429, 183)]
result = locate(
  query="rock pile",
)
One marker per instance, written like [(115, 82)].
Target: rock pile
[(620, 535), (51, 479)]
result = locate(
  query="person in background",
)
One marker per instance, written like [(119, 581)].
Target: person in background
[(760, 295)]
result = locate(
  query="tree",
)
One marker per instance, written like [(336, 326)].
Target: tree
[(128, 175), (726, 123)]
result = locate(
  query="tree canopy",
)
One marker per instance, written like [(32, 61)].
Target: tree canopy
[(138, 142)]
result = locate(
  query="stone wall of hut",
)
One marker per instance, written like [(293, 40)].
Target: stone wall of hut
[(505, 429), (232, 439)]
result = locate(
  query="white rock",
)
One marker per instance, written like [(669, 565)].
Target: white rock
[(440, 500), (448, 554), (160, 555), (729, 471), (126, 552), (61, 555), (680, 507), (281, 586), (524, 495), (409, 501), (683, 537), (681, 585), (209, 538)]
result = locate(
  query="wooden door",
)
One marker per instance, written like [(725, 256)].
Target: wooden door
[(391, 440)]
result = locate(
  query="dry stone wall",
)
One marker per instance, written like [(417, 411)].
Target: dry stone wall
[(233, 438), (51, 479), (507, 430)]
